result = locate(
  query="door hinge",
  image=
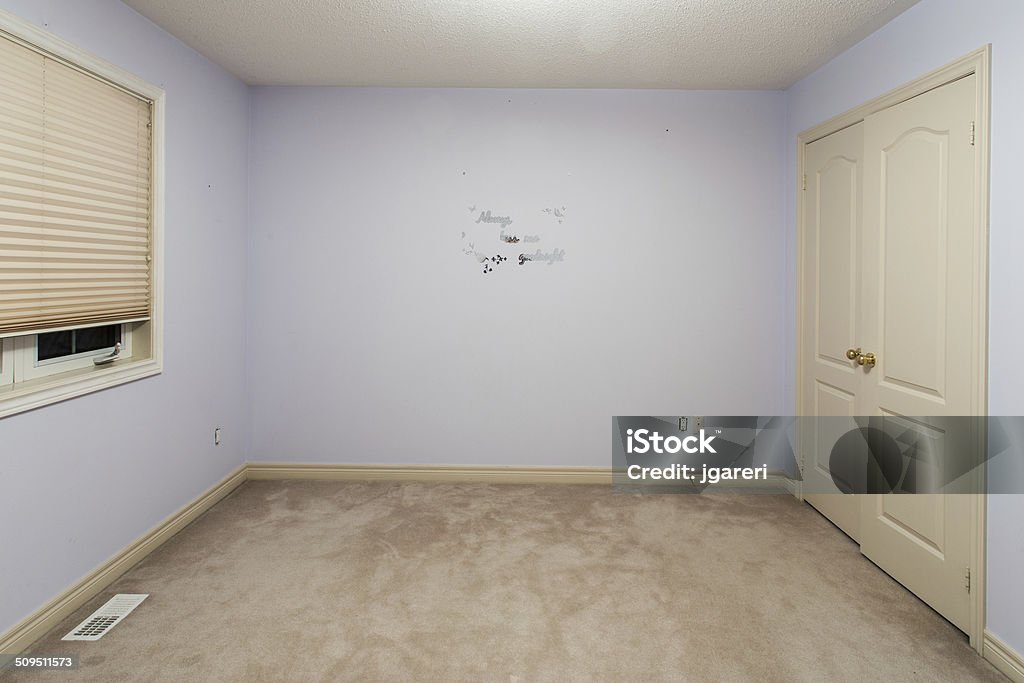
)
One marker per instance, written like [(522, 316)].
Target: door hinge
[(967, 579), (804, 180), (972, 133)]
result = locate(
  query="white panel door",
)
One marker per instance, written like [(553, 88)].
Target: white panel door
[(918, 303), (831, 268)]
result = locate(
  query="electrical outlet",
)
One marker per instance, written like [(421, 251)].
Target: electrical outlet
[(216, 436), (682, 424)]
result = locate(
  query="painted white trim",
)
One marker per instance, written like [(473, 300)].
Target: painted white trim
[(978, 63), (7, 361), (159, 201), (793, 487), (38, 624), (437, 473), (1003, 657), (26, 349), (36, 393), (775, 483)]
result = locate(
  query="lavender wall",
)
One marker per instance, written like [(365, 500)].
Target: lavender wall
[(374, 338), (82, 479), (925, 37)]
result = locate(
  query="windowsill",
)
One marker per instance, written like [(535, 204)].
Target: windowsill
[(31, 394)]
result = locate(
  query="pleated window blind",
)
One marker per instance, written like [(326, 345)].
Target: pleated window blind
[(75, 183)]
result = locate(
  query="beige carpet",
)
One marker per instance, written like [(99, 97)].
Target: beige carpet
[(326, 581)]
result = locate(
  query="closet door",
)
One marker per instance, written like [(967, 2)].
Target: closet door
[(831, 267), (920, 305)]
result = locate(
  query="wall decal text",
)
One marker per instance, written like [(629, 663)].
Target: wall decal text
[(486, 217)]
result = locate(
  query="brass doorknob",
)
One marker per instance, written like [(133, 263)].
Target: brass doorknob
[(862, 358)]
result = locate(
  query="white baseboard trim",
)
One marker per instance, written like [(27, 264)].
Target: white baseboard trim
[(789, 485), (474, 473), (1003, 657), (775, 483), (38, 624), (434, 473)]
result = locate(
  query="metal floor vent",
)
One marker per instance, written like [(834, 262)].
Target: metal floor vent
[(106, 617)]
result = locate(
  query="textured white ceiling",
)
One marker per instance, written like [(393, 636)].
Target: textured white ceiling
[(696, 44)]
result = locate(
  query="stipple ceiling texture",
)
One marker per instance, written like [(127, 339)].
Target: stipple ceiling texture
[(696, 44)]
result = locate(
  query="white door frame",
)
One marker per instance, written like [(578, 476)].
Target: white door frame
[(979, 64)]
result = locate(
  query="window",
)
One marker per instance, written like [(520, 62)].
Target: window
[(54, 347), (52, 353), (80, 221)]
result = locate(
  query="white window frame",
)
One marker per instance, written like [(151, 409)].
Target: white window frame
[(27, 367), (6, 362), (79, 376)]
